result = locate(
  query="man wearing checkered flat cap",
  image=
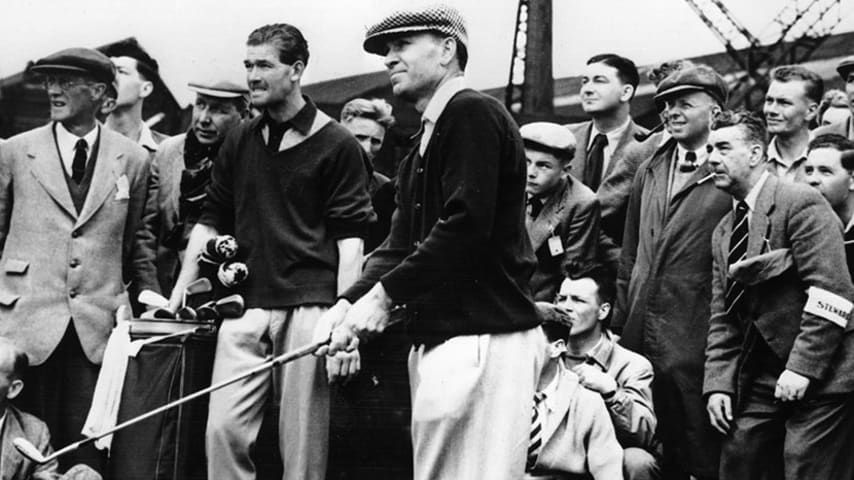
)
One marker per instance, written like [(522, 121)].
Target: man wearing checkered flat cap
[(72, 195), (458, 258)]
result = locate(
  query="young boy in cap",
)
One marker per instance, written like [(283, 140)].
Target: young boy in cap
[(181, 169), (71, 201), (666, 262), (563, 214), (457, 257), (571, 431)]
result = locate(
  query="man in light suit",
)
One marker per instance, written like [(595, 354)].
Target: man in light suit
[(72, 195), (780, 353), (608, 85), (563, 214)]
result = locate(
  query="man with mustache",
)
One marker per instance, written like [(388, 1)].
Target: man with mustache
[(791, 103), (290, 185)]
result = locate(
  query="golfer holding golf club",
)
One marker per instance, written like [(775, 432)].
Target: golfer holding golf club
[(458, 257), (289, 185)]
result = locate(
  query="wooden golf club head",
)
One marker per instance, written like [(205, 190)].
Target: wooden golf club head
[(164, 313), (29, 450), (231, 306), (187, 313), (153, 299), (208, 312)]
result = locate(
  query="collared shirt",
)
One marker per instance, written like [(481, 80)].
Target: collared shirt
[(613, 136), (678, 179), (146, 139), (66, 141), (550, 403), (752, 196), (301, 122), (436, 106), (792, 171)]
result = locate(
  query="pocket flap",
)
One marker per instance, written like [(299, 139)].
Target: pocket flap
[(762, 268), (8, 299), (16, 266)]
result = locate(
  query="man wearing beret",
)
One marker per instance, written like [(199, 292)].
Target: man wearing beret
[(71, 199), (457, 257), (845, 69), (291, 186), (791, 103), (181, 168), (563, 214), (136, 73), (780, 353), (664, 280)]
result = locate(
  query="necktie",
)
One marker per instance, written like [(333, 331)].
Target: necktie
[(595, 159), (536, 205), (737, 251), (536, 439), (689, 164), (78, 165)]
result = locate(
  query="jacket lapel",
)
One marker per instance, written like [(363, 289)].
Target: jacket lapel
[(760, 222), (562, 400), (108, 167), (46, 166), (543, 227), (626, 138), (174, 177)]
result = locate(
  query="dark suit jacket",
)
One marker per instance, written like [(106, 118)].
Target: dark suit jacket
[(613, 192), (458, 255), (796, 218), (572, 214), (60, 266)]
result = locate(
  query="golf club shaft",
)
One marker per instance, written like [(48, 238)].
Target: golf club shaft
[(273, 362)]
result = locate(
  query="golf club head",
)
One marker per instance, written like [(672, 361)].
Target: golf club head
[(153, 299), (29, 450), (187, 313), (200, 285), (164, 313), (231, 306), (208, 313)]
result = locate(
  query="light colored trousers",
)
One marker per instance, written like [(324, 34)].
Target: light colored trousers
[(236, 411), (471, 405)]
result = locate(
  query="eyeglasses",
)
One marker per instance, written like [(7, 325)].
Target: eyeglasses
[(65, 82)]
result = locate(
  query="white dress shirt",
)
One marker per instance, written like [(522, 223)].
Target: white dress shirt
[(613, 136), (436, 106)]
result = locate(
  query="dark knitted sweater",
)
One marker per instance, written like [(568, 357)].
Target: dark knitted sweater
[(288, 208)]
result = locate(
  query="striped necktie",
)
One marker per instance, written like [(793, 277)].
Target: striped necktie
[(536, 439), (737, 251)]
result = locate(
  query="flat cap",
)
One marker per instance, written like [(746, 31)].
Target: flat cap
[(548, 312), (81, 60), (695, 78), (218, 88), (548, 136), (431, 18), (845, 67)]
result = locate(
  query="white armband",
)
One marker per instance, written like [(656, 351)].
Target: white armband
[(828, 306)]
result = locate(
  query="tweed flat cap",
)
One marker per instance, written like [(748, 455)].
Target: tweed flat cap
[(219, 88), (845, 67), (693, 78), (82, 60), (548, 136), (431, 18)]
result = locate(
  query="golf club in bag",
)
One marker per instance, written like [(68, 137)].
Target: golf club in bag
[(29, 450)]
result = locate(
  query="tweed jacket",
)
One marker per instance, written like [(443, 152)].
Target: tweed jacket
[(613, 192), (571, 213), (59, 266), (13, 465), (578, 436), (795, 246)]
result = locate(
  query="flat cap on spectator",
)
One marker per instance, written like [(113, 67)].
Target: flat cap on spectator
[(219, 88), (79, 60), (845, 67), (549, 312), (549, 137), (700, 78), (432, 18)]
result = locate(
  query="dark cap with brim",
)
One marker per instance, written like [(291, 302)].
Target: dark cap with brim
[(441, 19), (78, 60), (845, 67), (695, 78)]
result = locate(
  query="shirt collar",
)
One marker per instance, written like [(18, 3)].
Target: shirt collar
[(552, 388), (146, 139), (600, 354), (774, 154), (751, 197), (440, 99), (613, 136), (301, 122), (702, 153), (66, 138)]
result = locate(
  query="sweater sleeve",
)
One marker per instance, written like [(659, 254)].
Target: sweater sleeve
[(471, 137), (348, 205), (218, 208)]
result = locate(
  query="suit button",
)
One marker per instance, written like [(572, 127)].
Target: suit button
[(418, 206), (416, 244), (419, 170), (72, 293), (75, 234), (74, 263)]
